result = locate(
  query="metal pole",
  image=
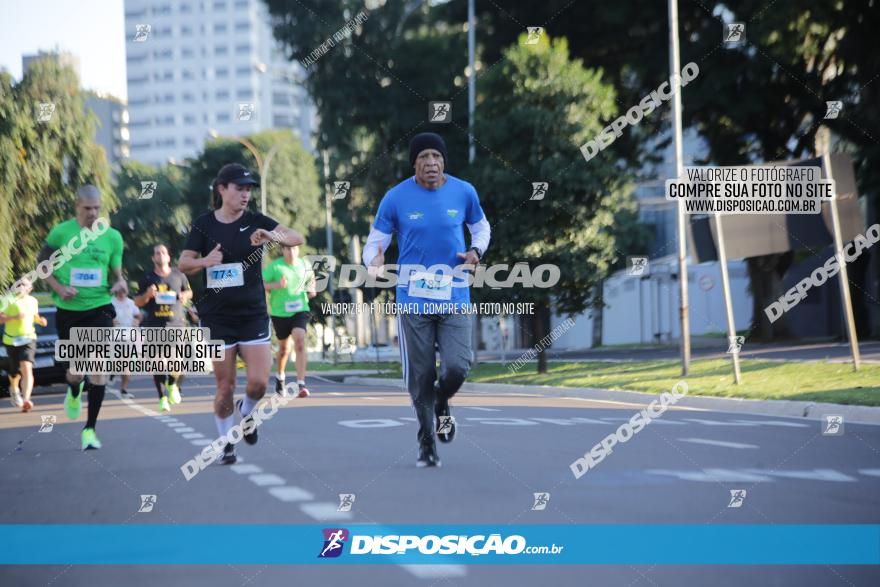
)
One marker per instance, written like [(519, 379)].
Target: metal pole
[(472, 148), (842, 276), (675, 68), (328, 211), (472, 81), (728, 304), (264, 182)]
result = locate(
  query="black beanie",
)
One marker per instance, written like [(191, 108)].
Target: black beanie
[(426, 140)]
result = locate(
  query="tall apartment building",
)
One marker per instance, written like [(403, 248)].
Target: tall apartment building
[(197, 68)]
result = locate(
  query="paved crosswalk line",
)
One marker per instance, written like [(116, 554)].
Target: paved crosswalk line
[(290, 493)]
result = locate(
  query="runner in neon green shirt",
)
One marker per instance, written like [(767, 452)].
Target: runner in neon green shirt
[(84, 251), (20, 340), (291, 284)]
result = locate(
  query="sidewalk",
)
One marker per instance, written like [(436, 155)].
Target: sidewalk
[(836, 352)]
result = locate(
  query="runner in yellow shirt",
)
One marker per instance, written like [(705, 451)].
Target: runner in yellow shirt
[(20, 340)]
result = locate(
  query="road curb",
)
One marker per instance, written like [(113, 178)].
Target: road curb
[(781, 408)]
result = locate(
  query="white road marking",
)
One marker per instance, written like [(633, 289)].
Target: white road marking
[(324, 511), (481, 409), (184, 430), (435, 571), (723, 443), (290, 493), (191, 435), (370, 423), (811, 475), (654, 421), (504, 421), (246, 469), (870, 472), (719, 422), (200, 442), (266, 479), (753, 475), (781, 423), (710, 475)]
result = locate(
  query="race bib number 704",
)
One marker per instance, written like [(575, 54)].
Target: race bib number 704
[(85, 277)]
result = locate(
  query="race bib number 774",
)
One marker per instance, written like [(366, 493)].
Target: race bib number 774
[(225, 275)]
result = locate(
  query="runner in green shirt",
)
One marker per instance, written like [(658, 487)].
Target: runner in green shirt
[(85, 254), (20, 340), (291, 284)]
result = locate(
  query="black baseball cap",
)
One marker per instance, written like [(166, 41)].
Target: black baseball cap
[(235, 173)]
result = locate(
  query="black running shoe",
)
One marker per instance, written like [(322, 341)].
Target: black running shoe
[(126, 393), (279, 386), (445, 422), (428, 456), (228, 457), (249, 437)]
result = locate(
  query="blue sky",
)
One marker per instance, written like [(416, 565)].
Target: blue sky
[(93, 30)]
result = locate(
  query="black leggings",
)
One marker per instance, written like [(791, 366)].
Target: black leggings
[(96, 398)]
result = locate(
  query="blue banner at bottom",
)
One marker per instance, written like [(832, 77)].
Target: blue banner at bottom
[(95, 544)]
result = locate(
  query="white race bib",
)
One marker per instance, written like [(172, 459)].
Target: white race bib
[(225, 275), (430, 285), (22, 340), (167, 298), (85, 277), (294, 306)]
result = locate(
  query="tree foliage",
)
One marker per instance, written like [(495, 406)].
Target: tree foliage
[(43, 162)]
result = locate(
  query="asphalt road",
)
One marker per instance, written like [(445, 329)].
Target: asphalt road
[(345, 439)]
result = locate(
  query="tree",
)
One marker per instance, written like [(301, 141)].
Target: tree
[(537, 108), (163, 217), (48, 146), (372, 89), (798, 55)]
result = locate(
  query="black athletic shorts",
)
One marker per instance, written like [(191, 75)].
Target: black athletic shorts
[(284, 325), (238, 330), (17, 354), (100, 317)]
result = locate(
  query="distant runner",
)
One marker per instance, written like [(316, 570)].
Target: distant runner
[(162, 293), (20, 340), (291, 284)]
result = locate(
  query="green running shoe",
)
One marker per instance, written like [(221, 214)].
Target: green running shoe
[(173, 392), (90, 439), (73, 405), (164, 406)]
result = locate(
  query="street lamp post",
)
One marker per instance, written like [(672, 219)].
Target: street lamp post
[(262, 165)]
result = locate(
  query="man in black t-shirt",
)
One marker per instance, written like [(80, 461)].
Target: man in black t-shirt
[(162, 293), (228, 244)]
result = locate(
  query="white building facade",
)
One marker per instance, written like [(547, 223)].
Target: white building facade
[(198, 68)]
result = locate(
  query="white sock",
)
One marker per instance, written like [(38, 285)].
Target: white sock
[(280, 376), (300, 381), (247, 405), (224, 425)]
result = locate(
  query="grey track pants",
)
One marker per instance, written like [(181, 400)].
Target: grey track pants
[(417, 335)]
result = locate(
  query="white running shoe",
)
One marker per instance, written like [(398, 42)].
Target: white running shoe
[(15, 398)]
